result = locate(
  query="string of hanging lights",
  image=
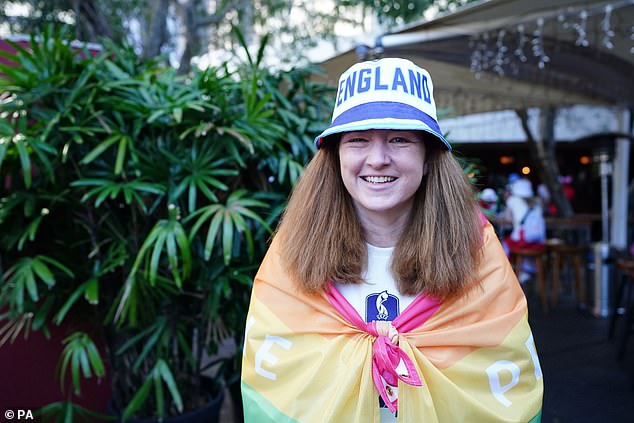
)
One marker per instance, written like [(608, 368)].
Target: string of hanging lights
[(502, 50)]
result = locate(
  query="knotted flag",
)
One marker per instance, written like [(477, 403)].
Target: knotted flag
[(473, 356)]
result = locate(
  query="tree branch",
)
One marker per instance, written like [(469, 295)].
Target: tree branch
[(214, 19), (90, 17), (545, 161)]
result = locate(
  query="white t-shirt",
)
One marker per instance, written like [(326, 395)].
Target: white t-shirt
[(378, 298)]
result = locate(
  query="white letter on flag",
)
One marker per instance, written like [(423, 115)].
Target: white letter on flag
[(494, 379), (264, 354)]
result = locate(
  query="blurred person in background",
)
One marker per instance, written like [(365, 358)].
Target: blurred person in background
[(525, 212), (488, 201)]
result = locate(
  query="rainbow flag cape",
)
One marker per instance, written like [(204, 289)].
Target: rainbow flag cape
[(306, 359)]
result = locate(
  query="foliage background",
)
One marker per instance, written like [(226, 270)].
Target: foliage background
[(188, 28), (141, 201)]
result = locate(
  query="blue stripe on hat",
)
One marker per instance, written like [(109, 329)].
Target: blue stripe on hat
[(382, 110), (360, 118)]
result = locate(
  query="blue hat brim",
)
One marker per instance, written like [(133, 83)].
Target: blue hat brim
[(383, 115)]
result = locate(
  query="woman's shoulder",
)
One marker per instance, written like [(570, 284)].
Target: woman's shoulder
[(271, 266)]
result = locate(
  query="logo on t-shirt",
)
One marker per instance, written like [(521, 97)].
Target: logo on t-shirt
[(381, 306)]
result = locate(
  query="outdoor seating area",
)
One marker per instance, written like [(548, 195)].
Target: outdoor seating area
[(539, 259), (563, 262), (572, 256)]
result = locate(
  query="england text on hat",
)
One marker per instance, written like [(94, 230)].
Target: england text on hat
[(363, 80)]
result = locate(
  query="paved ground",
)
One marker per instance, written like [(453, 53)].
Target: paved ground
[(583, 381)]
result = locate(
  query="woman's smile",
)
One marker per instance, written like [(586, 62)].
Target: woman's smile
[(379, 179)]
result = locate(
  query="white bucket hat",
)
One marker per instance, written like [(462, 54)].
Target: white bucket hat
[(384, 94), (489, 195)]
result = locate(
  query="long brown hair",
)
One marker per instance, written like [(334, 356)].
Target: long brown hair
[(322, 238)]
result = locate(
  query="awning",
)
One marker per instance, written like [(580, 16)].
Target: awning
[(509, 54)]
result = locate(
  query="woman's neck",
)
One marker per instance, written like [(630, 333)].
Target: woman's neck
[(382, 230)]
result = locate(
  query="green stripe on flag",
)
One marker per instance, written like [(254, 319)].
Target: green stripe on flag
[(537, 418), (259, 409)]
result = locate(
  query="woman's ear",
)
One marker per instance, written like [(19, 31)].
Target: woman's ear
[(431, 151)]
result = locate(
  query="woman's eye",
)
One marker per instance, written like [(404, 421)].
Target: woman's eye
[(354, 140), (400, 140)]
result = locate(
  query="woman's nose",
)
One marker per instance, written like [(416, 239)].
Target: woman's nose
[(379, 154)]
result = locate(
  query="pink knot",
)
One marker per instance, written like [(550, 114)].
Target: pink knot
[(386, 329), (388, 361)]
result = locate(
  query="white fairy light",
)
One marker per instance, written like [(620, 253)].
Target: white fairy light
[(474, 66), (521, 42), (538, 44), (480, 57), (500, 60), (503, 58), (608, 33), (580, 27), (561, 18), (476, 57)]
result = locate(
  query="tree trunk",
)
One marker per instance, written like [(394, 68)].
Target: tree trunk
[(91, 23), (156, 34), (192, 35), (195, 21), (542, 153)]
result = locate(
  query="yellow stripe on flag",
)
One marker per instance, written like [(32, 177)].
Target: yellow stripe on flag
[(298, 374)]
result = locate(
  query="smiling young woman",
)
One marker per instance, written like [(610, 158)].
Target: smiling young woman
[(384, 289)]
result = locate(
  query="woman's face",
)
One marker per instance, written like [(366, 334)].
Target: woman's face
[(382, 169)]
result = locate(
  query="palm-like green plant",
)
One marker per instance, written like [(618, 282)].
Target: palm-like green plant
[(142, 201)]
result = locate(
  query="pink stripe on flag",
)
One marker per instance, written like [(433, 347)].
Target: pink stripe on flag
[(345, 308), (417, 313)]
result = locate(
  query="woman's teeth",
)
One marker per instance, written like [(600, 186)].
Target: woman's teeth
[(378, 179)]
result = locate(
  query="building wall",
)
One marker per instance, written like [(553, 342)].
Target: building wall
[(571, 123)]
